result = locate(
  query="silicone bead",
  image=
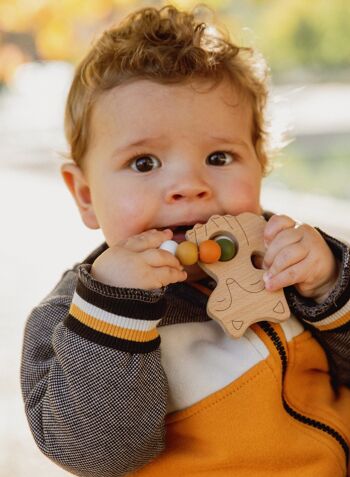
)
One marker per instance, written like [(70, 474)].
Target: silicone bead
[(209, 251), (170, 246), (187, 253), (228, 248)]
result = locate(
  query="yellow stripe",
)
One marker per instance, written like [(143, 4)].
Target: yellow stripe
[(112, 330), (336, 324)]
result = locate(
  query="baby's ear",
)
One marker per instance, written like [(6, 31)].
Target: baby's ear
[(78, 186)]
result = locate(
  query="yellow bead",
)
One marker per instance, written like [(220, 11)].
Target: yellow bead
[(209, 251), (187, 253)]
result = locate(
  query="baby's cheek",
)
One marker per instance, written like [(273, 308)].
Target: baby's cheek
[(118, 223), (134, 214), (244, 196)]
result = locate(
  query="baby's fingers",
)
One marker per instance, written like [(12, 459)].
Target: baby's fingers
[(166, 275), (280, 245), (275, 225), (290, 276), (161, 258), (166, 268), (147, 240), (286, 257)]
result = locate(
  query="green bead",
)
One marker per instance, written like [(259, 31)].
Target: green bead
[(228, 249)]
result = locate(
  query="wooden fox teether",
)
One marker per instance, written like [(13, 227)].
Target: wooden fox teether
[(240, 298)]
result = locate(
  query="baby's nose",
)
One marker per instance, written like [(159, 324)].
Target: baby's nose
[(188, 191)]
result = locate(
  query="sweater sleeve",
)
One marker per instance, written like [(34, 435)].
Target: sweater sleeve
[(94, 389), (330, 320)]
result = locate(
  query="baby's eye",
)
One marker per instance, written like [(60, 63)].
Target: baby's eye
[(145, 163), (220, 158)]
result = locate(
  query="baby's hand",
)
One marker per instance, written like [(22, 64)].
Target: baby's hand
[(298, 255), (138, 263)]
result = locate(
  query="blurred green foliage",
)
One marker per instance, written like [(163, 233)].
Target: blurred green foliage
[(312, 34), (318, 166), (291, 33)]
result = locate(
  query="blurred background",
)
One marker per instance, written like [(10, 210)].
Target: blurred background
[(307, 45)]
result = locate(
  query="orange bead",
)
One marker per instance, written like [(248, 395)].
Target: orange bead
[(209, 251)]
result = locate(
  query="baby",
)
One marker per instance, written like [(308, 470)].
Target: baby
[(123, 372)]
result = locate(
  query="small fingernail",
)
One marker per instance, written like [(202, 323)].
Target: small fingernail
[(267, 277)]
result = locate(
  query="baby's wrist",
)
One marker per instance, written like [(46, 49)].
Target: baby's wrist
[(121, 292), (110, 269), (100, 274)]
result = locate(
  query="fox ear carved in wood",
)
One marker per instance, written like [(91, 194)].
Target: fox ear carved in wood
[(240, 298)]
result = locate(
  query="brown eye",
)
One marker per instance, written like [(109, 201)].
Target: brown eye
[(220, 158), (145, 163)]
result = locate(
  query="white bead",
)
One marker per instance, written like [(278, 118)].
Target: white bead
[(170, 246)]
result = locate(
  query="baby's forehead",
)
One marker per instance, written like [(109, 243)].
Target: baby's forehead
[(135, 99), (147, 117), (121, 131)]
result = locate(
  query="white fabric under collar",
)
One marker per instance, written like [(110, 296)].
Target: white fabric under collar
[(201, 353)]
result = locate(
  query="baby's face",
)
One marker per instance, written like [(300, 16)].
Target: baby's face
[(165, 155)]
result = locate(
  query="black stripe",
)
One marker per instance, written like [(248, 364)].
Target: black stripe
[(125, 307), (296, 415), (318, 425), (110, 341)]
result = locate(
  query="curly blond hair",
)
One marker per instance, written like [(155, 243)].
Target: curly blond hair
[(167, 46)]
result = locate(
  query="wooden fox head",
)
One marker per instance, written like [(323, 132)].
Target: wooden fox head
[(240, 298)]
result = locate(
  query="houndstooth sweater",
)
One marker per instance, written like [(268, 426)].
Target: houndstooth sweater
[(98, 384)]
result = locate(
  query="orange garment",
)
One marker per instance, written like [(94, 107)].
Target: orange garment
[(244, 429)]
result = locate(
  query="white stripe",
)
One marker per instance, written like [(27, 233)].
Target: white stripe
[(113, 319), (292, 328), (331, 319), (201, 353), (256, 342)]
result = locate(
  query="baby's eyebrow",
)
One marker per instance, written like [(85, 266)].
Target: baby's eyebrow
[(229, 140), (159, 139), (139, 142)]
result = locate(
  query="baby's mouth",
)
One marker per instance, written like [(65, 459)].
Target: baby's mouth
[(179, 232), (181, 228)]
